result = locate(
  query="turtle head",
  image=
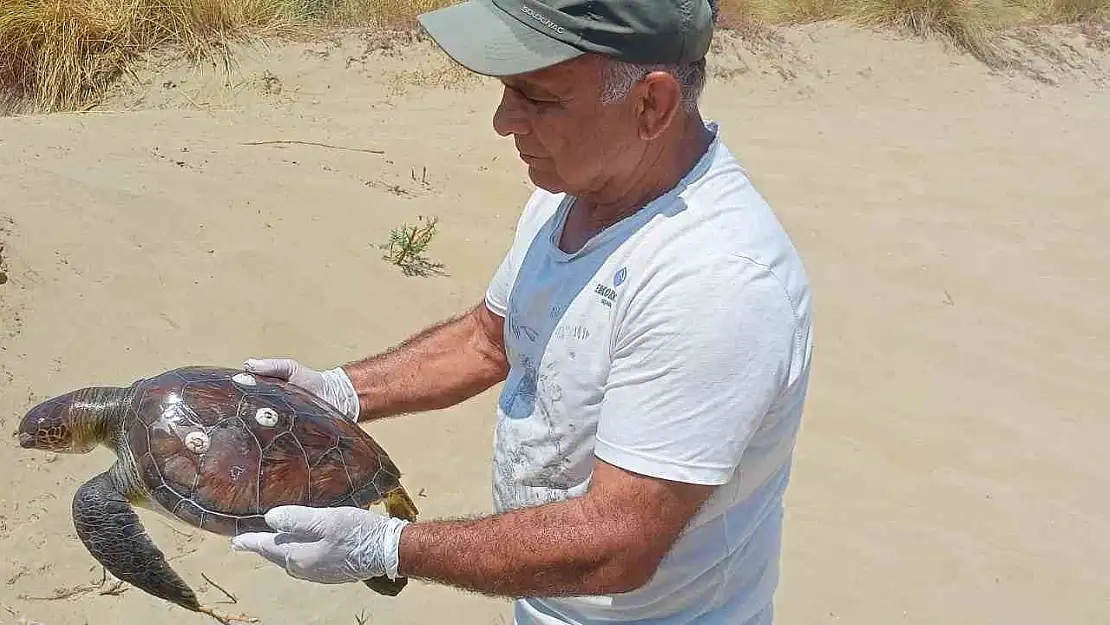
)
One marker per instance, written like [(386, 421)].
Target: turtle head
[(62, 424)]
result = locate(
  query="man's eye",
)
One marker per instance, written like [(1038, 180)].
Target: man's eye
[(536, 99), (533, 100)]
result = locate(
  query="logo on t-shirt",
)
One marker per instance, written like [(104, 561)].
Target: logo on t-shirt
[(608, 294)]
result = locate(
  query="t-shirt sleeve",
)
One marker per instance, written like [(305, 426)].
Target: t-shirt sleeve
[(700, 352), (497, 293), (530, 220)]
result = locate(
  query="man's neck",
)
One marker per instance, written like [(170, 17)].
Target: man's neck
[(658, 171)]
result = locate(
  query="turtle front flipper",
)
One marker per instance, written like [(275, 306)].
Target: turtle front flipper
[(110, 529)]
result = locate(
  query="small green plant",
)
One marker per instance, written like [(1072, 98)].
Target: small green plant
[(407, 245)]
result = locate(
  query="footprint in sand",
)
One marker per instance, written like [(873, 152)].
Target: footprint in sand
[(5, 228)]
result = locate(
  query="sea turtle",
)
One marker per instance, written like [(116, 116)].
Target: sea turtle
[(215, 448)]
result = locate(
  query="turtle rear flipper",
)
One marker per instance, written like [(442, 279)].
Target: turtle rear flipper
[(385, 586), (397, 504), (110, 529)]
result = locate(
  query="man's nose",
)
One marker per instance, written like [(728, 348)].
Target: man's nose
[(509, 117)]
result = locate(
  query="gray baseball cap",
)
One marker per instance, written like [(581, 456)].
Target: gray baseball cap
[(507, 37)]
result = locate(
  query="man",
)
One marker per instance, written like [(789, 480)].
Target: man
[(650, 322)]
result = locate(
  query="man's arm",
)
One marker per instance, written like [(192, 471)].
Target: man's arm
[(609, 540), (436, 368), (686, 391)]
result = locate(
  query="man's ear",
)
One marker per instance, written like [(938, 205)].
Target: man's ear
[(658, 99)]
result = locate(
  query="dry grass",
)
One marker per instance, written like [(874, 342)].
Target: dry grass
[(63, 54), (973, 25), (949, 17), (740, 13), (388, 14), (1064, 11), (970, 24), (803, 11)]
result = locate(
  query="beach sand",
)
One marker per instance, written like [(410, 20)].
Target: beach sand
[(954, 220)]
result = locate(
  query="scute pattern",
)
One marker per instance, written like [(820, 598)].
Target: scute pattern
[(311, 456), (229, 468), (285, 474)]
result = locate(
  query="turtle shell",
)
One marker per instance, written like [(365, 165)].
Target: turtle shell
[(218, 447)]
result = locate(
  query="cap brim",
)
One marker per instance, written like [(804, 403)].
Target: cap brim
[(486, 40)]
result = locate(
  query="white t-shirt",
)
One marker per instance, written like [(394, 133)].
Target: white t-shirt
[(676, 344)]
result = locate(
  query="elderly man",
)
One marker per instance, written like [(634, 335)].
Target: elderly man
[(651, 323)]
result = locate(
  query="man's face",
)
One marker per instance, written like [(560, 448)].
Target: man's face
[(569, 140)]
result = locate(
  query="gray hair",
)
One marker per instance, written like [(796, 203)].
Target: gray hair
[(620, 77)]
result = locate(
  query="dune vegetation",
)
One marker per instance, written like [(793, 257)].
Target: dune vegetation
[(60, 55)]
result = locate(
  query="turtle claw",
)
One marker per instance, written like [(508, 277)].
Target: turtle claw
[(224, 618)]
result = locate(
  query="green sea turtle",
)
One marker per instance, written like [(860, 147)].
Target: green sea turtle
[(215, 448)]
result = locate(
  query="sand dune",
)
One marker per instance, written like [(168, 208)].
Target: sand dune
[(954, 220)]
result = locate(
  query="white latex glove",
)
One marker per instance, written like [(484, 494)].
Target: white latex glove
[(328, 545), (332, 385)]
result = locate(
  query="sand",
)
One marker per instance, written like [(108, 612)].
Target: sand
[(954, 220)]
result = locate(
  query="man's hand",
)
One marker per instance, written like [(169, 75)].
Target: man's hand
[(328, 545), (332, 385), (436, 368)]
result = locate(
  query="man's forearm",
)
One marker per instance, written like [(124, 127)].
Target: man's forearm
[(436, 368), (558, 549)]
